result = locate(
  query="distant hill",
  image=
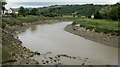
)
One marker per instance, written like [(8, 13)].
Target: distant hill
[(82, 10)]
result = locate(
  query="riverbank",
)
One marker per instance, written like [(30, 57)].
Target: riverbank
[(51, 40), (26, 54), (16, 53), (107, 39)]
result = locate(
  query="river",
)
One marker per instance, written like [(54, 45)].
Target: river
[(51, 38)]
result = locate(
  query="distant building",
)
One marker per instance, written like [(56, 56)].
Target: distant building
[(11, 10), (92, 16)]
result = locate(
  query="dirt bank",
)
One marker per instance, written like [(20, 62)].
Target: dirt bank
[(19, 55), (107, 39)]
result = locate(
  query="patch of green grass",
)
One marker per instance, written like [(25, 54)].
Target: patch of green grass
[(5, 55), (20, 20), (99, 25)]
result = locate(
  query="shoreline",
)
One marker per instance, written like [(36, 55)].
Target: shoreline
[(106, 39), (24, 54)]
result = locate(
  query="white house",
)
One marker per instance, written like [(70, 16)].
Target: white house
[(11, 10), (92, 16)]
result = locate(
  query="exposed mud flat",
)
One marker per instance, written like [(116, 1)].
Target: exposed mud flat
[(107, 39), (62, 59)]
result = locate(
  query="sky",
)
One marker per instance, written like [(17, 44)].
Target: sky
[(36, 3), (63, 1)]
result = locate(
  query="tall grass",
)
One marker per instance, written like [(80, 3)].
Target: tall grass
[(20, 20), (105, 26)]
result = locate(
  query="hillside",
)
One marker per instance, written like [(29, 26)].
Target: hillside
[(82, 10)]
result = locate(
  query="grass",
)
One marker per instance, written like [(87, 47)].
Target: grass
[(28, 19), (99, 25), (20, 20), (5, 55)]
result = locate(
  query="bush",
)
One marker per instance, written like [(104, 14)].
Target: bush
[(97, 15), (14, 15)]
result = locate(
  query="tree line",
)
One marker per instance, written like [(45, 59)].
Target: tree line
[(34, 11), (99, 11), (24, 11), (110, 12)]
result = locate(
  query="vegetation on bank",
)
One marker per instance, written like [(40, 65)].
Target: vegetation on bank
[(31, 18), (111, 12), (57, 12), (99, 25), (82, 10)]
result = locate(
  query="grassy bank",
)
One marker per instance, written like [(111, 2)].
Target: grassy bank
[(28, 19), (105, 26)]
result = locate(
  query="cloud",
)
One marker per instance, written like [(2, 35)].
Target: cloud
[(88, 1), (10, 3)]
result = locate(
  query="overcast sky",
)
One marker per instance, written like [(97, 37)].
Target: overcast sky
[(16, 5), (88, 1)]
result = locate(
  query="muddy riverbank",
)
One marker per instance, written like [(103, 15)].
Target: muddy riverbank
[(51, 40), (44, 58), (20, 55), (107, 39)]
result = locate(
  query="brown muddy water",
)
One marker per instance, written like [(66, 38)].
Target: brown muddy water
[(51, 40)]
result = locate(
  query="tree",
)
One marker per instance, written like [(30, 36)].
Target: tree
[(3, 3), (22, 11), (111, 12), (105, 12), (27, 11), (114, 13), (33, 11), (97, 15)]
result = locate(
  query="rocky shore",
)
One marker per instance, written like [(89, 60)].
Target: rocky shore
[(107, 39)]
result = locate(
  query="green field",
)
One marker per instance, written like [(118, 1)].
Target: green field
[(99, 25)]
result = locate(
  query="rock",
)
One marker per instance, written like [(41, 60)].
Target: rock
[(13, 54), (37, 53), (74, 57), (36, 62), (83, 64), (44, 63), (55, 60), (86, 58), (31, 55), (47, 61), (50, 57), (58, 55), (42, 60)]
